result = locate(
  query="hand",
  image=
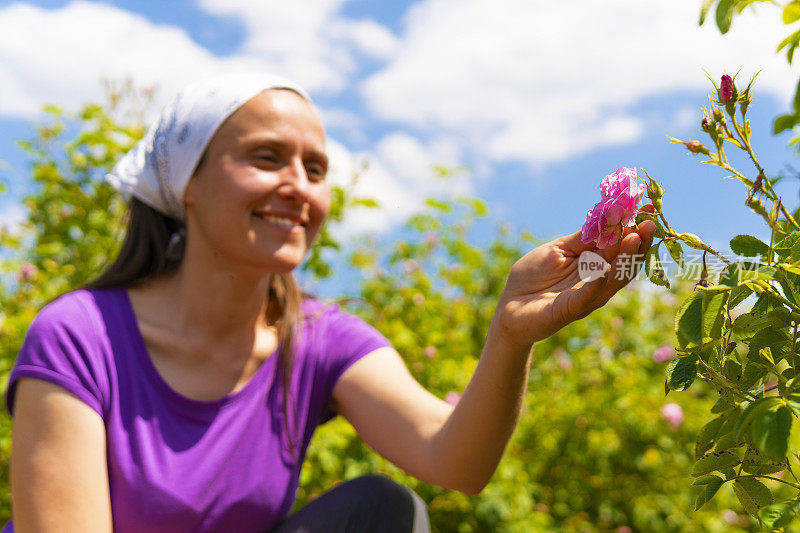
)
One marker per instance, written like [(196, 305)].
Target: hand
[(544, 292)]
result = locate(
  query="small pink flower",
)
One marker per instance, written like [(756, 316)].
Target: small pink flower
[(730, 516), (452, 397), (705, 124), (663, 353), (27, 271), (624, 529), (673, 414), (418, 298), (725, 88), (563, 358), (430, 352), (432, 238), (410, 266), (621, 193)]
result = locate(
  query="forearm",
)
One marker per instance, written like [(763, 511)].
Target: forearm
[(474, 437)]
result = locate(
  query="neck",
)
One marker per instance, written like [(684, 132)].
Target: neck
[(214, 301)]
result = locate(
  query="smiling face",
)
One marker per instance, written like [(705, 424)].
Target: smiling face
[(259, 196)]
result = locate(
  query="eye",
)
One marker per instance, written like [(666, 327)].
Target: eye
[(315, 171), (266, 157)]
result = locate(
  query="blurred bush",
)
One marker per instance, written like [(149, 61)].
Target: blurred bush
[(592, 452)]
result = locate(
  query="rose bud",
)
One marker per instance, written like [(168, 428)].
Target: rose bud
[(726, 89), (705, 124), (696, 147), (692, 240)]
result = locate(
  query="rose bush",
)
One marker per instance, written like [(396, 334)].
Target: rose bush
[(738, 331)]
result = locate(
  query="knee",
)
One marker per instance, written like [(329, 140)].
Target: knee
[(392, 502)]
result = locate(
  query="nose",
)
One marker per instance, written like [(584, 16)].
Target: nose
[(294, 182)]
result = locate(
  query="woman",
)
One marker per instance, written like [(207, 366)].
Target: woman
[(178, 392)]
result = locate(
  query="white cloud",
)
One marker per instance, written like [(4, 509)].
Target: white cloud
[(11, 217), (537, 81), (59, 56), (307, 40), (399, 174)]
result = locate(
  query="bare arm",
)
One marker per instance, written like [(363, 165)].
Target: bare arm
[(59, 478), (460, 448)]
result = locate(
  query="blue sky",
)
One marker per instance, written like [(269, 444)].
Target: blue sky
[(539, 99)]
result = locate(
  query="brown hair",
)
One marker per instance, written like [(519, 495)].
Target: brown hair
[(143, 256)]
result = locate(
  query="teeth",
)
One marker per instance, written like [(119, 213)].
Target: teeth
[(285, 222)]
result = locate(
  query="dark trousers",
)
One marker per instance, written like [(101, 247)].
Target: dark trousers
[(366, 504)]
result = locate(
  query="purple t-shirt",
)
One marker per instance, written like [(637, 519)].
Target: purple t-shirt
[(179, 464)]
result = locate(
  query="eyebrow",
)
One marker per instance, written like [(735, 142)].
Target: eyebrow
[(255, 142)]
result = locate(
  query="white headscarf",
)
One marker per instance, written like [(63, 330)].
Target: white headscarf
[(158, 168)]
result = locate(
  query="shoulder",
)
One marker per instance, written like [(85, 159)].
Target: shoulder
[(339, 337), (65, 345), (78, 313), (327, 317)]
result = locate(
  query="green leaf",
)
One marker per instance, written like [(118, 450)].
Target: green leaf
[(791, 12), (713, 313), (681, 372), (738, 295), (749, 323), (752, 373), (774, 338), (752, 494), (366, 202), (748, 246), (438, 205), (784, 122), (771, 432), (754, 462), (784, 247), (725, 15), (750, 412), (689, 320), (776, 515), (714, 461), (704, 10), (708, 435), (796, 101), (675, 251), (653, 268), (711, 485)]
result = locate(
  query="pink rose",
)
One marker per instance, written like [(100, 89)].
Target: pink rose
[(673, 414), (452, 397), (725, 88), (27, 271), (621, 193), (664, 353)]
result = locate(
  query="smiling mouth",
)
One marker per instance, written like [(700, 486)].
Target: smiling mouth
[(282, 222)]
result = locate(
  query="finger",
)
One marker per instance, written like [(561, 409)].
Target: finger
[(574, 243), (623, 269)]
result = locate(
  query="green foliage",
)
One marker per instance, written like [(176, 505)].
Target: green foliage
[(740, 336), (726, 11), (591, 451)]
